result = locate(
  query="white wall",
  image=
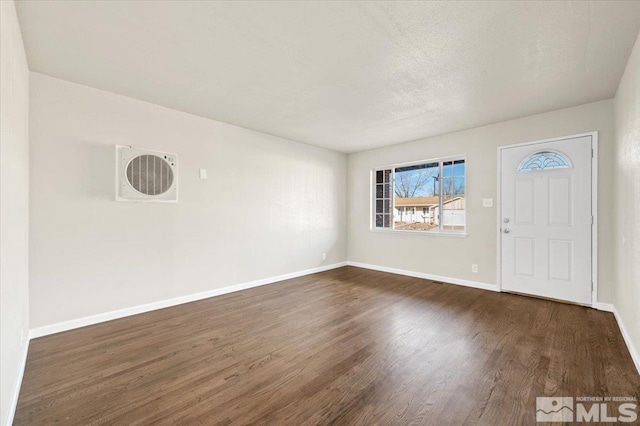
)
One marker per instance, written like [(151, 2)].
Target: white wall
[(452, 256), (627, 198), (90, 254), (14, 207)]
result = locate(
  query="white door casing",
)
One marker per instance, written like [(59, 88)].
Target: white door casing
[(546, 220)]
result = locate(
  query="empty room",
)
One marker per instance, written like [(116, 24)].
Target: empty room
[(319, 212)]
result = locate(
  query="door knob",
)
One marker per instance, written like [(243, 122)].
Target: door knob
[(506, 230), (506, 220)]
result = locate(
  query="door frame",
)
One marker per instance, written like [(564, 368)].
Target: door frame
[(594, 208)]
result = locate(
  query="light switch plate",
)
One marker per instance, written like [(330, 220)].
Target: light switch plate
[(487, 202), (203, 173)]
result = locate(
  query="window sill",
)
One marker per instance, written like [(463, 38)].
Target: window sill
[(434, 233)]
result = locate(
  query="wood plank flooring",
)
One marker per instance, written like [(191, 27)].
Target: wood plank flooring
[(347, 346)]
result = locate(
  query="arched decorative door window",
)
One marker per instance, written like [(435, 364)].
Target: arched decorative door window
[(544, 160)]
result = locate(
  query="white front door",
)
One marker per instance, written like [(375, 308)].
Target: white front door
[(546, 219)]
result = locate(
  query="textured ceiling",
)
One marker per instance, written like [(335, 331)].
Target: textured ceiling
[(343, 75)]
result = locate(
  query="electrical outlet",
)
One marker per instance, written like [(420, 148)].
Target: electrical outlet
[(474, 268), (324, 256)]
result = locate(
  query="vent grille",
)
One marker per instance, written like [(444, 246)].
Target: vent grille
[(149, 174)]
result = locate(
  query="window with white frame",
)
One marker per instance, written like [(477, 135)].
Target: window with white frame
[(432, 192), (382, 194)]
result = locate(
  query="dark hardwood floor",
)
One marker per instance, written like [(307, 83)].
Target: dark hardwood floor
[(348, 346)]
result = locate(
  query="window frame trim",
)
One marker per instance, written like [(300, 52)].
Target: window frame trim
[(392, 167)]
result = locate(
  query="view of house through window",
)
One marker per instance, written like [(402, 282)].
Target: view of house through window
[(422, 197)]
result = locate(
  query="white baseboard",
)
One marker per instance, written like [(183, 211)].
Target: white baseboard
[(16, 392), (607, 307), (635, 355), (134, 310), (448, 280)]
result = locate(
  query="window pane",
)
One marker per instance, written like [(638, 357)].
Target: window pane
[(453, 198), (459, 168), (447, 169), (383, 206), (544, 160), (452, 186), (453, 213), (416, 192), (383, 221)]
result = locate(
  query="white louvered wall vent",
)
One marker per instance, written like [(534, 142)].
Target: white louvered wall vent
[(143, 175)]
